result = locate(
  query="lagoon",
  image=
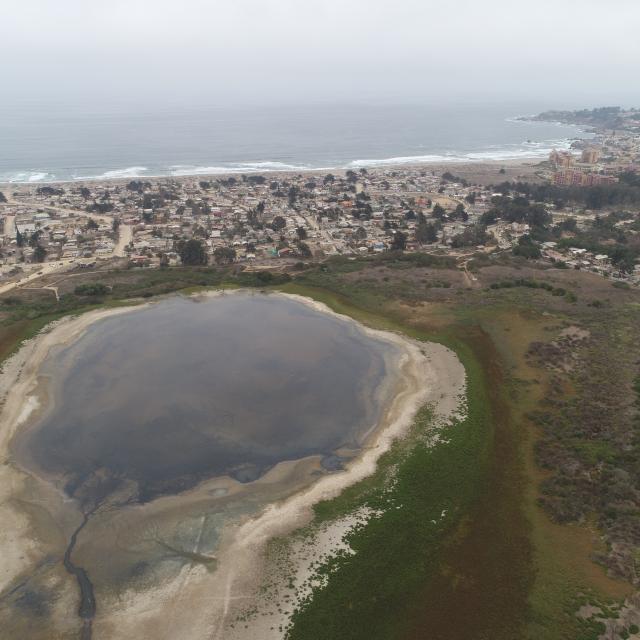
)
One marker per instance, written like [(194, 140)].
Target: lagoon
[(153, 401)]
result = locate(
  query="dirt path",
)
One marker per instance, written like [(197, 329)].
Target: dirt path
[(470, 279), (125, 236)]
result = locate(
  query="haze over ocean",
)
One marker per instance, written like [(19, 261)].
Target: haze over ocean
[(49, 143)]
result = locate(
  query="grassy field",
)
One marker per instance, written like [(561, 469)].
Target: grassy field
[(476, 573), (559, 572), (426, 547)]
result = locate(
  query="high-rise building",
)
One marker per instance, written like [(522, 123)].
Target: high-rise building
[(575, 177), (561, 158), (590, 155)]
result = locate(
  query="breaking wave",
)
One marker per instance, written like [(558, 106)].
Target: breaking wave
[(26, 176), (114, 174), (247, 167), (527, 149)]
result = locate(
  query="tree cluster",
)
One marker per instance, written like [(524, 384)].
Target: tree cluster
[(192, 252)]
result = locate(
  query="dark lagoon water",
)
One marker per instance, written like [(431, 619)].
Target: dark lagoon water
[(185, 389)]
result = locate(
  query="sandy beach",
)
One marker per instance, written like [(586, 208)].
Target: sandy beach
[(196, 599), (476, 172)]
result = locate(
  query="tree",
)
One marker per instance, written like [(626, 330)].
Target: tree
[(115, 225), (526, 248), (3, 198), (447, 176), (224, 255), (49, 191), (85, 193), (302, 233), (136, 185), (518, 209), (91, 289), (192, 253), (278, 223), (470, 237), (293, 195), (399, 242), (489, 217), (360, 234), (460, 213), (19, 238), (329, 178), (569, 224), (92, 224), (34, 238), (265, 277), (426, 233), (39, 254), (438, 211), (304, 250), (100, 207), (362, 211), (596, 198)]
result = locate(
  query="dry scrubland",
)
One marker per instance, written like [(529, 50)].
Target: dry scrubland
[(539, 482)]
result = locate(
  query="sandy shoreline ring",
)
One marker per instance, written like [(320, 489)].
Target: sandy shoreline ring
[(431, 374)]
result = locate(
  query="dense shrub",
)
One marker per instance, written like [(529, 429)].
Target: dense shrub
[(92, 289)]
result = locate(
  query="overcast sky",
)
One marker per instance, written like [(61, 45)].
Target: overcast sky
[(559, 52)]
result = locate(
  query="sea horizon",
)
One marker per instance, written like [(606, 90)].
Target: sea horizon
[(58, 145)]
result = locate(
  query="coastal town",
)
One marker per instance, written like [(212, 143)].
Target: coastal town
[(320, 320), (277, 220)]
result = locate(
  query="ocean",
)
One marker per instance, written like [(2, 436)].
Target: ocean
[(41, 143)]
